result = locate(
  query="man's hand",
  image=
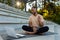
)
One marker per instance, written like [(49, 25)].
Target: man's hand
[(40, 21), (38, 18)]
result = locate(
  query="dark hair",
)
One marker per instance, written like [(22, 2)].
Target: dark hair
[(33, 7)]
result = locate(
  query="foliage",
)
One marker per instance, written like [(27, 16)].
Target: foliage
[(54, 13), (22, 6), (8, 2), (2, 1)]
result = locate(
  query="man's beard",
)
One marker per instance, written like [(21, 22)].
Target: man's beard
[(34, 13)]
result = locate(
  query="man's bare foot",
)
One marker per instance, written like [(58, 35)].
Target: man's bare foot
[(29, 33), (25, 32)]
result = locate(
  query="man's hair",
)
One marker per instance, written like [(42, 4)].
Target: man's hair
[(33, 7)]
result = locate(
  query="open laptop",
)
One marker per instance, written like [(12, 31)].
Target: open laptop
[(11, 32)]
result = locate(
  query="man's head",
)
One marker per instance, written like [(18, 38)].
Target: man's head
[(33, 10)]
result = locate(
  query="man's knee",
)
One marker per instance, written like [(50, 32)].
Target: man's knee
[(24, 27), (46, 28)]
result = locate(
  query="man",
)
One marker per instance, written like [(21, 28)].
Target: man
[(36, 24)]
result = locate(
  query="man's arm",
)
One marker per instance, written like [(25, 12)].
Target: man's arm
[(34, 28), (30, 22), (41, 21)]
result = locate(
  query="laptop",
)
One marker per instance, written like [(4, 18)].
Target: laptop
[(11, 32)]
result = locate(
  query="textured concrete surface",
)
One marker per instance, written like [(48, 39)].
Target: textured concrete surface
[(54, 28)]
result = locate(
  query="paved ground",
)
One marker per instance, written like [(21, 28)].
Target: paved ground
[(54, 28)]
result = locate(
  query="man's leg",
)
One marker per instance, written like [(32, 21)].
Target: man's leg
[(42, 30), (27, 28)]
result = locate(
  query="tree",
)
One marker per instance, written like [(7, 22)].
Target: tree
[(2, 1), (54, 0), (51, 7), (22, 5), (8, 2)]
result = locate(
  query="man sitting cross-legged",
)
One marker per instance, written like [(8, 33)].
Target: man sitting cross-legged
[(36, 24)]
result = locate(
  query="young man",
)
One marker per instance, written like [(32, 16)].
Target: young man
[(36, 24)]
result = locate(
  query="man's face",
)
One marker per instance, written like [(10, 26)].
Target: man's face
[(33, 10)]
